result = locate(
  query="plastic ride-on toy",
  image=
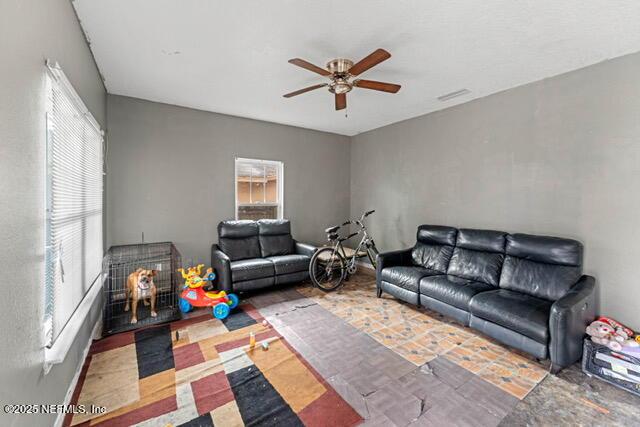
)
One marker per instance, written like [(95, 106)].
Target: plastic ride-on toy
[(194, 295)]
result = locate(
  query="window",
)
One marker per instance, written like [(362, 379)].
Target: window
[(258, 189), (73, 252)]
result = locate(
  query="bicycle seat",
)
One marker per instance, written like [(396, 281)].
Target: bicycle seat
[(332, 229)]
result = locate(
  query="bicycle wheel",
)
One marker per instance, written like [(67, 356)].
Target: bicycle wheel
[(327, 269)]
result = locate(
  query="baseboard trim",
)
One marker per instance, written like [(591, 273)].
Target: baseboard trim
[(367, 268), (95, 334)]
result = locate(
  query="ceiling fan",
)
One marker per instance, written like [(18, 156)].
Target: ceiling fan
[(341, 72)]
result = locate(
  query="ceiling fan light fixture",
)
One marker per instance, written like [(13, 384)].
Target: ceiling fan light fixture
[(342, 88), (340, 85)]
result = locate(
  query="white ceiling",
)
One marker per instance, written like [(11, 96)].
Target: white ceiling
[(230, 56)]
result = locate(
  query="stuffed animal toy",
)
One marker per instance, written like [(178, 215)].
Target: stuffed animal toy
[(608, 332), (602, 333), (621, 330)]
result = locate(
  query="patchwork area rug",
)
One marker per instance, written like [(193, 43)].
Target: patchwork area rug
[(421, 335), (201, 372)]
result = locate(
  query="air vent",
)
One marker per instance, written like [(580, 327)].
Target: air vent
[(452, 95)]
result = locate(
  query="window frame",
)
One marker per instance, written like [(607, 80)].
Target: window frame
[(57, 346), (279, 165)]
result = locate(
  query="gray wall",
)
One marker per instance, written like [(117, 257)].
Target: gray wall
[(559, 157), (170, 174), (30, 32)]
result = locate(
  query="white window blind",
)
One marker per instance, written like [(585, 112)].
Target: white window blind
[(74, 165), (259, 189)]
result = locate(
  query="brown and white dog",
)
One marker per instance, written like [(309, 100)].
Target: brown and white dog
[(140, 286)]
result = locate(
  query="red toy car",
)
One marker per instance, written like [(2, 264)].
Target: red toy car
[(194, 295)]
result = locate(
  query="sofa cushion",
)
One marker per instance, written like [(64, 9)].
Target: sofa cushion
[(544, 267), (437, 235), (406, 277), (452, 290), (481, 240), (475, 265), (239, 239), (275, 237), (285, 264), (519, 312), (434, 247), (248, 269), (549, 250), (478, 255)]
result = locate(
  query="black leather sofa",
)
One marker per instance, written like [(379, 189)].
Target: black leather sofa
[(523, 290), (257, 254)]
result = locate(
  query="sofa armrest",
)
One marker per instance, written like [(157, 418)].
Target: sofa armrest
[(222, 266), (570, 315), (304, 249), (390, 259)]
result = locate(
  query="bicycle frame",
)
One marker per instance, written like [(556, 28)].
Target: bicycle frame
[(333, 258), (366, 243)]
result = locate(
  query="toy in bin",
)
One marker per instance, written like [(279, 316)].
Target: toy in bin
[(194, 295)]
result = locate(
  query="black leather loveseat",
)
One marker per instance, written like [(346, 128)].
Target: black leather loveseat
[(525, 291), (256, 254)]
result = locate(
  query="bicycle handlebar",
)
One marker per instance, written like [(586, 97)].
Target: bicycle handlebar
[(357, 222), (364, 215)]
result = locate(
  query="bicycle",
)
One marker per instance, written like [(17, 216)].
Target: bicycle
[(331, 265)]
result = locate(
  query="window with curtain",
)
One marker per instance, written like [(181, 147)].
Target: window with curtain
[(74, 174), (258, 189)]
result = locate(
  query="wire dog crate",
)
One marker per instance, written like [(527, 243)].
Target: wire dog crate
[(118, 264)]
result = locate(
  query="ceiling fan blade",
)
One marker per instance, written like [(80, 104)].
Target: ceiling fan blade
[(306, 89), (309, 66), (372, 60), (372, 84), (341, 101)]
